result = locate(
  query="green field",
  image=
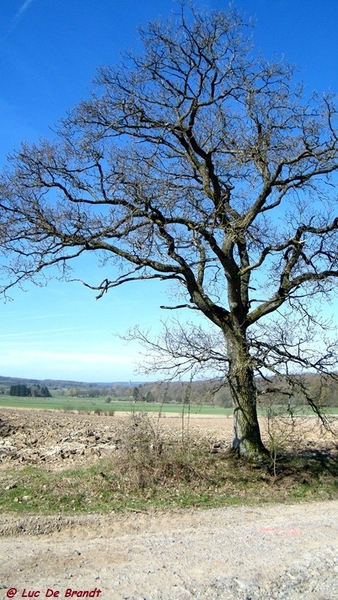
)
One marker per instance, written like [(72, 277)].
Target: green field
[(99, 404), (68, 403)]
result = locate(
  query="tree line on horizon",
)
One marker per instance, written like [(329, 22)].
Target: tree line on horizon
[(30, 391), (212, 392)]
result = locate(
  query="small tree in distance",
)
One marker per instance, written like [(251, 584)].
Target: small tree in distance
[(199, 163)]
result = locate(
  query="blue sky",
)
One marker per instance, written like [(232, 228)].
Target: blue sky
[(49, 51)]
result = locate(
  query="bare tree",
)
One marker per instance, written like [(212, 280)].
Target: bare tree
[(200, 163)]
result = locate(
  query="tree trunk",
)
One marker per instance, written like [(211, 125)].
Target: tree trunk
[(246, 439)]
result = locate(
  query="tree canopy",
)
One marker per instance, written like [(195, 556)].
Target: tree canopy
[(202, 163)]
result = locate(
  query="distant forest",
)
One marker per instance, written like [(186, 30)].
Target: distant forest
[(198, 392), (217, 393), (37, 391)]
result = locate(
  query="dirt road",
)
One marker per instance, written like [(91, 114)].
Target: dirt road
[(238, 553), (248, 553)]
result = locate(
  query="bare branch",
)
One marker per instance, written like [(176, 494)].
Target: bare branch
[(195, 162)]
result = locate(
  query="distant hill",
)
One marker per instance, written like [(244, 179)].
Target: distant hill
[(61, 383), (70, 388)]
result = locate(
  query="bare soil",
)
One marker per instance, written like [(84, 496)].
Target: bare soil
[(239, 553), (60, 440)]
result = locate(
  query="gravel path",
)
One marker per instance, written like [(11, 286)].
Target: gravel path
[(239, 553)]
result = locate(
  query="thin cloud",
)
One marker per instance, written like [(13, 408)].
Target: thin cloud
[(22, 317), (23, 8), (18, 16), (74, 365), (36, 334)]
